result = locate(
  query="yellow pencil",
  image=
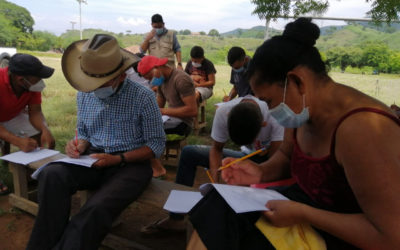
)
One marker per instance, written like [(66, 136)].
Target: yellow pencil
[(224, 92), (241, 159), (209, 175)]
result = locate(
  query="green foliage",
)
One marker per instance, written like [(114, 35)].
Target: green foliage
[(18, 16), (272, 9), (213, 32)]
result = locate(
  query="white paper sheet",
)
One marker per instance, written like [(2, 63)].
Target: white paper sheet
[(244, 199), (240, 199), (84, 160), (182, 201), (26, 158), (165, 118)]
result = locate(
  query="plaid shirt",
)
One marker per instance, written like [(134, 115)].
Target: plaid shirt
[(125, 121)]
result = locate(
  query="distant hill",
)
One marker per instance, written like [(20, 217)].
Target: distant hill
[(254, 32)]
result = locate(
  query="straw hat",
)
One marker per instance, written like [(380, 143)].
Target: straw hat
[(88, 64)]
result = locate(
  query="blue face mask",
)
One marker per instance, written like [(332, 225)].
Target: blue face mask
[(286, 117), (159, 31), (239, 70), (157, 81), (104, 92)]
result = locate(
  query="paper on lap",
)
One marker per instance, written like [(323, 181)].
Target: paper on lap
[(240, 199), (29, 157), (84, 160)]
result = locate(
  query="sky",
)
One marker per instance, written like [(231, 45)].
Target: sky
[(118, 16)]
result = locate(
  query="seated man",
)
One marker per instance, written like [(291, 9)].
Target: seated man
[(119, 124), (246, 121), (20, 87), (175, 87), (239, 61), (202, 71)]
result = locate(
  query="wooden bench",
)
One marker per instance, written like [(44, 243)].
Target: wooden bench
[(200, 120), (155, 194), (172, 152)]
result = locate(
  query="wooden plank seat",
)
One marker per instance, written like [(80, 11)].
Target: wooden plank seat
[(155, 194), (200, 120)]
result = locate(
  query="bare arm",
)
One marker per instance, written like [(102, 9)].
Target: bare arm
[(178, 55), (367, 147), (189, 109), (38, 121), (232, 94), (145, 45)]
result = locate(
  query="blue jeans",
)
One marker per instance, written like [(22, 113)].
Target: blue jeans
[(197, 155)]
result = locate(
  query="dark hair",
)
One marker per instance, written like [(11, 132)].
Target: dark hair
[(244, 123), (235, 54), (280, 54), (157, 18), (197, 52)]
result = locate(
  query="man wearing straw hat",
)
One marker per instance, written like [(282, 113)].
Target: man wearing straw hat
[(120, 125)]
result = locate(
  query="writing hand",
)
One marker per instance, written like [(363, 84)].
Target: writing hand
[(73, 150), (241, 173), (27, 144)]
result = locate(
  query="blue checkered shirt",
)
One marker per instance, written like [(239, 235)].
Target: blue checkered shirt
[(125, 121)]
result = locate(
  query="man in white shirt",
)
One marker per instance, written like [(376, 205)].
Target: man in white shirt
[(244, 120)]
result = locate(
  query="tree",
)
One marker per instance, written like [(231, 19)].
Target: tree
[(186, 32), (213, 32), (18, 16), (202, 33), (272, 9)]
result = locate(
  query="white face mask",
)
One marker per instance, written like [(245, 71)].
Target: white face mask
[(196, 65), (37, 87), (286, 117)]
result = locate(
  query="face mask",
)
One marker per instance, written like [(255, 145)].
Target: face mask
[(104, 92), (239, 70), (286, 117), (157, 81), (196, 65), (159, 31), (37, 87)]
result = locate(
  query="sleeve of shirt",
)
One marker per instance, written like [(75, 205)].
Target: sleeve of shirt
[(219, 131), (185, 86), (277, 131), (80, 125), (153, 131), (36, 98), (176, 46), (210, 68), (232, 80)]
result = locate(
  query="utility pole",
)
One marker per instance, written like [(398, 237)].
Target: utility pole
[(73, 24), (80, 15)]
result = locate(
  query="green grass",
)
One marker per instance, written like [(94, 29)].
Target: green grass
[(59, 99)]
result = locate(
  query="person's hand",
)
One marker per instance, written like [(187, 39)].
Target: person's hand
[(47, 140), (105, 160), (226, 98), (151, 34), (73, 150), (283, 213), (27, 144), (241, 173), (179, 67), (395, 107)]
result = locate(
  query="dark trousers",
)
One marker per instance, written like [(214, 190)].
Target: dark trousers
[(115, 188)]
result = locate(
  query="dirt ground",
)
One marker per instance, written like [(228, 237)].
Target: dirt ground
[(16, 225)]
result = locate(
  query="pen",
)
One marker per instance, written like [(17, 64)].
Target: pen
[(209, 175), (241, 159), (76, 140)]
